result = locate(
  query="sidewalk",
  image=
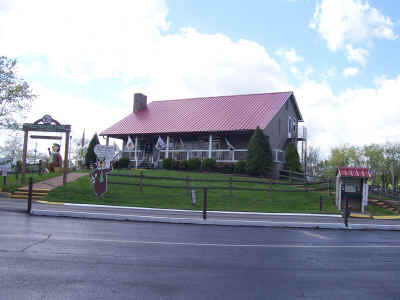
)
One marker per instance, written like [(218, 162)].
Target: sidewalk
[(281, 220), (54, 182)]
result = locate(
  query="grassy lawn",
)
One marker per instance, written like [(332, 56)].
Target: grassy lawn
[(13, 184), (298, 201), (81, 191)]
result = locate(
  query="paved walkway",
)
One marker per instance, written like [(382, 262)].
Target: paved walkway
[(54, 182)]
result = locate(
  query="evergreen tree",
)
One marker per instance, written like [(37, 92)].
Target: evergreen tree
[(90, 157), (292, 160), (259, 154)]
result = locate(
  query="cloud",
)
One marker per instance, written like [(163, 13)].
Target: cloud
[(357, 54), (350, 72), (355, 116), (343, 22), (290, 55)]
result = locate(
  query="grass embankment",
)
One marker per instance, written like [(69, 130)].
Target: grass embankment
[(298, 201), (12, 183), (81, 191)]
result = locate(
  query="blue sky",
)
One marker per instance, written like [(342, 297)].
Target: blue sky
[(86, 59)]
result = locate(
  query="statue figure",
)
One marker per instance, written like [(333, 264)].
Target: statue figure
[(98, 176), (55, 160)]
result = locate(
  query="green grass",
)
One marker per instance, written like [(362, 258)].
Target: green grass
[(298, 201), (81, 191), (13, 183)]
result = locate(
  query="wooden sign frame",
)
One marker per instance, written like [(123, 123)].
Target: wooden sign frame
[(46, 124)]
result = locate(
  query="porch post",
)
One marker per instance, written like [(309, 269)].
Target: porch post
[(167, 149), (210, 146), (136, 145), (108, 141)]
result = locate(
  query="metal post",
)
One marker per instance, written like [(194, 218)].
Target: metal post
[(30, 195), (346, 212), (40, 167), (230, 186), (320, 203), (329, 188), (204, 203), (290, 176), (187, 184), (4, 180), (141, 182), (270, 188)]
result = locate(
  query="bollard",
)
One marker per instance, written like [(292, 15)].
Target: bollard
[(320, 203), (230, 186), (204, 203), (141, 182), (347, 212), (30, 195)]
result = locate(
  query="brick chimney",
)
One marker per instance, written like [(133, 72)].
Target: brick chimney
[(139, 102)]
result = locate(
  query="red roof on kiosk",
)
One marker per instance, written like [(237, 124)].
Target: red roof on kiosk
[(206, 114), (354, 172)]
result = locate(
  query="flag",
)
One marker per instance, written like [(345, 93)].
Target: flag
[(181, 142), (230, 147), (83, 139), (130, 146), (160, 143)]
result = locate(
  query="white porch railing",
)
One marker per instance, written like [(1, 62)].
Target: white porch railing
[(219, 155)]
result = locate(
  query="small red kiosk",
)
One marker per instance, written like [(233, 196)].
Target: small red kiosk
[(351, 184)]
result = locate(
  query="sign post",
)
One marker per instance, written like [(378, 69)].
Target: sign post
[(46, 124)]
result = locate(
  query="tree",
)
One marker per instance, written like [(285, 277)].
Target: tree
[(77, 152), (259, 154), (90, 157), (314, 161), (15, 94), (12, 150), (292, 159)]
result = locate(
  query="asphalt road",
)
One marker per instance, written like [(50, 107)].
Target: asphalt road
[(62, 258)]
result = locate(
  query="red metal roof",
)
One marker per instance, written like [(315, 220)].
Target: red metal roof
[(354, 172), (207, 114)]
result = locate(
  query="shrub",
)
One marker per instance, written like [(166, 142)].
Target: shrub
[(90, 157), (175, 164), (292, 160), (259, 154), (208, 164), (123, 162), (167, 163), (240, 167), (194, 164), (183, 165)]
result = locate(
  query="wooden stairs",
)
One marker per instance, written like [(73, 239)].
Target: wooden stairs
[(22, 193), (384, 204)]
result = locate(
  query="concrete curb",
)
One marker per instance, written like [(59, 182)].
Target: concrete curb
[(198, 221)]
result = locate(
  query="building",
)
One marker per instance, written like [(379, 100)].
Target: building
[(208, 127)]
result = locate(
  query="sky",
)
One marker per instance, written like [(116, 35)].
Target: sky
[(86, 59)]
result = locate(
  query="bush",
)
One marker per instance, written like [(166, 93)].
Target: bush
[(292, 159), (194, 164), (183, 165), (259, 154), (123, 162), (208, 164), (167, 163), (175, 164), (240, 167), (90, 157)]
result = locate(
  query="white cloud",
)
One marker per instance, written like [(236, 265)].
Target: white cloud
[(357, 54), (342, 22), (350, 72), (355, 116), (290, 55)]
